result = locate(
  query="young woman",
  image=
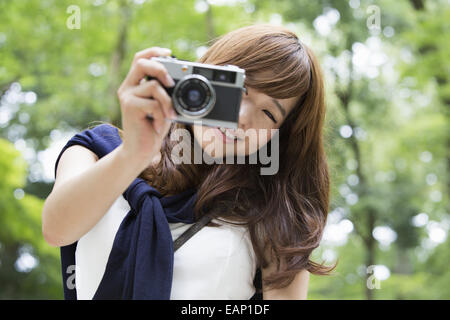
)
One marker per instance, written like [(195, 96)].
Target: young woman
[(271, 223)]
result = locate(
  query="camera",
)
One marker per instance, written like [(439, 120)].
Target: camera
[(204, 92)]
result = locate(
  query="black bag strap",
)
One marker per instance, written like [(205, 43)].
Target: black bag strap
[(185, 236)]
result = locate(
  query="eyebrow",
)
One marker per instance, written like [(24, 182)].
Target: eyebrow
[(283, 112)]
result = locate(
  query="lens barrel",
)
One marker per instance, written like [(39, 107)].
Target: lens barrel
[(194, 96)]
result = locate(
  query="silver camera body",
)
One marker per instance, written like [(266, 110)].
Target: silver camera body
[(205, 92)]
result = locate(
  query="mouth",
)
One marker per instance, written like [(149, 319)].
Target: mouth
[(228, 134)]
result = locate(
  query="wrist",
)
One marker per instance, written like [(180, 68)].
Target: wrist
[(132, 160)]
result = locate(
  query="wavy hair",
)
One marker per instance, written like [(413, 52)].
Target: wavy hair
[(285, 213)]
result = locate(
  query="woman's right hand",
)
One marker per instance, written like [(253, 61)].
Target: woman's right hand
[(142, 138)]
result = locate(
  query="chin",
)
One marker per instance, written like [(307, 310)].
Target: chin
[(239, 151)]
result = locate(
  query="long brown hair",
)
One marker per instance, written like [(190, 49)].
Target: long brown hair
[(285, 213)]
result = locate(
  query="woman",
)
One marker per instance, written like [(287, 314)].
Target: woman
[(270, 223)]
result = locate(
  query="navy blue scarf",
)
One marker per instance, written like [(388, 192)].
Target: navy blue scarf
[(140, 265)]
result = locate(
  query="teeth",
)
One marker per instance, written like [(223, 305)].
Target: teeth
[(229, 135), (226, 133)]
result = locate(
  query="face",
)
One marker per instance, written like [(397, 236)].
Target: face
[(258, 111)]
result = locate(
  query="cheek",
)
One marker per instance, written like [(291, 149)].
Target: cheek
[(264, 136), (255, 139)]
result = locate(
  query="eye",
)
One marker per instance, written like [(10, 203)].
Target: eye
[(270, 115)]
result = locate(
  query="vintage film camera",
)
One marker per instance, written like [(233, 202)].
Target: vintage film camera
[(204, 92)]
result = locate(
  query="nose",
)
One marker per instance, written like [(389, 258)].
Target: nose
[(244, 116)]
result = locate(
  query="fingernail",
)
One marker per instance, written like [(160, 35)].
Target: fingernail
[(169, 81), (173, 114), (167, 50)]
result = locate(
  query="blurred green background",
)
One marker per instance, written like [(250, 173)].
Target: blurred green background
[(387, 70)]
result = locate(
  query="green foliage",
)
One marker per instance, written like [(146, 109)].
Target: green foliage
[(398, 151), (21, 236)]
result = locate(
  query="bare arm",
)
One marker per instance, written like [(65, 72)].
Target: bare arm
[(84, 190), (85, 187)]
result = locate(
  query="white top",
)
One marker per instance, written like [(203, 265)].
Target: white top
[(216, 263)]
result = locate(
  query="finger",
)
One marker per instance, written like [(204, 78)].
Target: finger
[(144, 67), (153, 89), (151, 52), (148, 107)]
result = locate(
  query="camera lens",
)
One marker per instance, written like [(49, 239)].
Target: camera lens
[(194, 96)]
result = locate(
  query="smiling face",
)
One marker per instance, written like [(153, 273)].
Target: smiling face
[(257, 111), (276, 65)]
